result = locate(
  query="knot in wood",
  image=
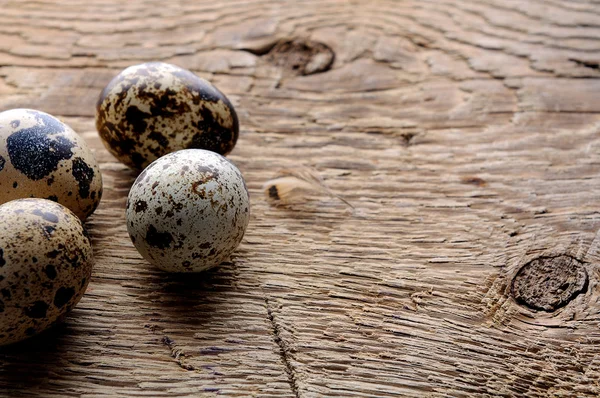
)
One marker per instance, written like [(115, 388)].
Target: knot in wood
[(549, 283), (302, 57)]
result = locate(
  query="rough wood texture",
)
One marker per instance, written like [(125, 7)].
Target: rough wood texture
[(465, 134)]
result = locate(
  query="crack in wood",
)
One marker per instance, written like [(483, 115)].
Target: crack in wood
[(283, 350), (177, 354), (587, 64)]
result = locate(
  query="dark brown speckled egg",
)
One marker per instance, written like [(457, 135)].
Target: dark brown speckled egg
[(155, 108), (45, 266), (41, 157)]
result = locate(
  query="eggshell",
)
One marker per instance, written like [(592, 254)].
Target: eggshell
[(188, 211), (42, 157), (45, 265), (155, 108)]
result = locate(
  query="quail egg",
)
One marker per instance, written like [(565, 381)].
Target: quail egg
[(45, 265), (188, 210), (44, 158), (155, 108)]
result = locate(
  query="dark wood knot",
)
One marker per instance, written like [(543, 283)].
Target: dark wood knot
[(549, 283), (301, 57)]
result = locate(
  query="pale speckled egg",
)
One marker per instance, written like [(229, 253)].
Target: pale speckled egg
[(42, 157), (188, 211), (155, 108), (45, 265)]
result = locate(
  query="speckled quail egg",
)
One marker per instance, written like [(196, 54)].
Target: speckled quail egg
[(42, 157), (188, 211), (155, 108), (45, 265)]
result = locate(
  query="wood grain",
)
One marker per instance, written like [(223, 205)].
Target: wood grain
[(465, 134)]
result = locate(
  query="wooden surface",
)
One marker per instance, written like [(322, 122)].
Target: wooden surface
[(466, 136)]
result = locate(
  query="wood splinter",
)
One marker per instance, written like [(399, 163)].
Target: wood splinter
[(295, 186)]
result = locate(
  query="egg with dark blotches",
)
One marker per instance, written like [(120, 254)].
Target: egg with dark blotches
[(152, 109), (45, 266), (42, 157), (188, 211)]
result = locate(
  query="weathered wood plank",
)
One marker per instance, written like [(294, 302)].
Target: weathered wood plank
[(463, 133)]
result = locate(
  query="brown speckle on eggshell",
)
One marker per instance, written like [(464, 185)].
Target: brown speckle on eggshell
[(45, 266), (42, 157), (152, 109)]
